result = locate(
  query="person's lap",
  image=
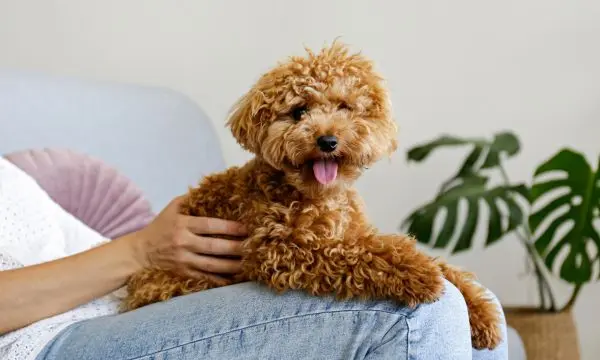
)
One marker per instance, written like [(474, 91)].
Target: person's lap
[(248, 321)]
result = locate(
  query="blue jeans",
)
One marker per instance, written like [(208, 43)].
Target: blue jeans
[(248, 321)]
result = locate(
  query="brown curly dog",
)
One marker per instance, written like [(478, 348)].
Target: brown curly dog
[(314, 123)]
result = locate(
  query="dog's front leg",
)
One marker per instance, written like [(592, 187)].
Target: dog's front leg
[(374, 267), (400, 271)]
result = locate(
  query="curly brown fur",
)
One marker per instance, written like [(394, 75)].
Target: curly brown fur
[(483, 313), (307, 228)]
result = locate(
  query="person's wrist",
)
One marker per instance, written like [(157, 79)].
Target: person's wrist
[(135, 249)]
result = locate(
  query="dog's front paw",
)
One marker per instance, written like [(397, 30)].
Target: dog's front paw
[(415, 284), (423, 285), (406, 274)]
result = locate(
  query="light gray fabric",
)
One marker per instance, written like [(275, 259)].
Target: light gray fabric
[(516, 349), (158, 138)]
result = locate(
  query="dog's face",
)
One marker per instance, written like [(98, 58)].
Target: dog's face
[(321, 119)]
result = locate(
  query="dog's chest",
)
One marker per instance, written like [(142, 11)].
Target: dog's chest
[(327, 219), (331, 218)]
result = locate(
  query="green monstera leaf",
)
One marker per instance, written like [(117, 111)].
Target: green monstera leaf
[(484, 154), (475, 193), (470, 187), (574, 206)]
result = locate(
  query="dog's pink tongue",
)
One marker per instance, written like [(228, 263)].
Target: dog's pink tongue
[(325, 171)]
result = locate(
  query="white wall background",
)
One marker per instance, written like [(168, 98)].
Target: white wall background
[(469, 67)]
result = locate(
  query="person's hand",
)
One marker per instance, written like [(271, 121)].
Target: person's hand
[(177, 242)]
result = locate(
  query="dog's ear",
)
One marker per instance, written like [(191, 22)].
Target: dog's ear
[(389, 127), (245, 120), (392, 143)]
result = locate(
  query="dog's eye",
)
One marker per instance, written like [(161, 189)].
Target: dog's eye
[(343, 106), (298, 112)]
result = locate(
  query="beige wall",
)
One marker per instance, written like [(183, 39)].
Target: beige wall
[(469, 67)]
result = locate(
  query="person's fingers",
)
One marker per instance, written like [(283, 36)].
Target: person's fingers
[(212, 264), (176, 201), (213, 226), (213, 246)]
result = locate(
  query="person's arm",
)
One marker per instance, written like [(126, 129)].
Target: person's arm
[(36, 292)]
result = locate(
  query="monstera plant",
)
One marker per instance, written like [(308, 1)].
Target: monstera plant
[(556, 217)]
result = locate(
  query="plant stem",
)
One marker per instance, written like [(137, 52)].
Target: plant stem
[(540, 283), (526, 239), (573, 297)]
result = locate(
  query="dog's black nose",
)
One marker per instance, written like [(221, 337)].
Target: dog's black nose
[(327, 143)]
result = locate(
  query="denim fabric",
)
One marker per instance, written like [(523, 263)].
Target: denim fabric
[(248, 321)]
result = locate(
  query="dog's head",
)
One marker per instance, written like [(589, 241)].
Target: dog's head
[(321, 119)]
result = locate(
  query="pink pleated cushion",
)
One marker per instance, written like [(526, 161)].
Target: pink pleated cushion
[(91, 190)]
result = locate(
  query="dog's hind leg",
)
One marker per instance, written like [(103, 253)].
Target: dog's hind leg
[(484, 315), (153, 285)]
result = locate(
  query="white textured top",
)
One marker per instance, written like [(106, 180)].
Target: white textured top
[(34, 229)]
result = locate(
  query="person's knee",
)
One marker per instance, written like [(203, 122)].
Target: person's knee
[(447, 317), (441, 329), (453, 302)]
